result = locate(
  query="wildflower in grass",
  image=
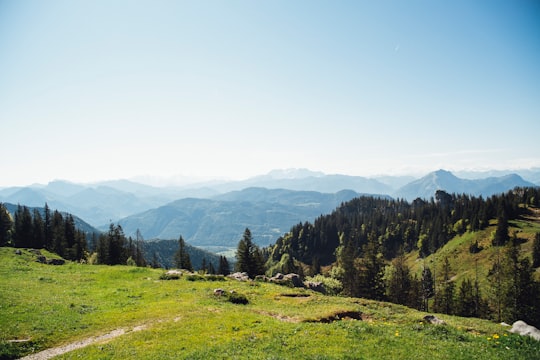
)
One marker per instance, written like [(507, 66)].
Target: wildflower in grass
[(495, 336), (489, 339), (397, 333)]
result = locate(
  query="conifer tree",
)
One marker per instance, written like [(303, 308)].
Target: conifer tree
[(444, 299), (501, 236), (38, 230), (6, 226), (248, 256), (399, 283), (372, 270), (224, 268), (536, 251), (181, 257), (428, 289)]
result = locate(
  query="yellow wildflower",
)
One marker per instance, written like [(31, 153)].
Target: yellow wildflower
[(495, 336)]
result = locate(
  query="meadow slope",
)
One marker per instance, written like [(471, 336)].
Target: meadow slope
[(45, 306)]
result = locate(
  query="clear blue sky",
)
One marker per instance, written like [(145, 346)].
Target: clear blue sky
[(94, 90)]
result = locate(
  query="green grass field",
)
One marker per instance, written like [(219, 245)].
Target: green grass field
[(45, 306)]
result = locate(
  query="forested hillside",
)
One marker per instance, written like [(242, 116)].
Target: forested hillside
[(364, 242)]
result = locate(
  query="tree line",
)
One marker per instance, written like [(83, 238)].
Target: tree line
[(45, 229)]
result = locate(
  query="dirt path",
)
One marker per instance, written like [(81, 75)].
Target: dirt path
[(52, 352)]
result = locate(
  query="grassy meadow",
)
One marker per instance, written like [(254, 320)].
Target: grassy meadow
[(44, 306)]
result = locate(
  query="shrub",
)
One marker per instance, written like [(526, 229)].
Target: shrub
[(169, 276), (333, 286), (237, 298)]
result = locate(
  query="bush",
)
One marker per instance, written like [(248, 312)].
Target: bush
[(169, 276), (237, 298), (333, 286)]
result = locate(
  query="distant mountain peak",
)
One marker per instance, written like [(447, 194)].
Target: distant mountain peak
[(293, 173)]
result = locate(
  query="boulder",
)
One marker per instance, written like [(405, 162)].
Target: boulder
[(240, 276), (432, 319), (41, 259), (520, 327), (219, 292), (294, 279), (18, 252)]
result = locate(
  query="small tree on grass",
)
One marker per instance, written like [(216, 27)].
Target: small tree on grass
[(182, 259), (249, 258)]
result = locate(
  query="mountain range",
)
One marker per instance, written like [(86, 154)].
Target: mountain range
[(216, 213), (220, 221)]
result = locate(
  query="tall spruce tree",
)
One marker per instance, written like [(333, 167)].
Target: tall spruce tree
[(444, 299), (428, 289), (249, 258), (182, 259), (372, 270), (6, 226), (223, 268), (399, 283)]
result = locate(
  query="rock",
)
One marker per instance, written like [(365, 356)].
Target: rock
[(219, 292), (174, 272), (278, 276), (18, 252), (520, 327), (261, 278), (240, 276), (35, 252), (432, 319), (41, 259), (295, 280), (315, 286), (56, 261)]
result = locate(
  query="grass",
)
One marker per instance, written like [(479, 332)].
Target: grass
[(54, 305)]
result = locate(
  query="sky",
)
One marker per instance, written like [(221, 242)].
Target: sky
[(99, 90)]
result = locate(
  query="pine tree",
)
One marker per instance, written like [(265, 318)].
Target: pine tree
[(501, 236), (23, 233), (372, 271), (182, 259), (38, 241), (6, 226), (348, 272), (248, 256), (224, 268), (47, 228), (444, 299), (536, 251), (465, 302), (428, 289), (399, 283)]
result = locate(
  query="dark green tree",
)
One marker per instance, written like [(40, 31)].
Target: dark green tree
[(398, 287), (466, 300), (372, 270), (23, 235), (536, 251), (182, 259), (38, 241), (6, 226), (501, 236), (249, 258), (428, 289), (444, 298), (348, 271), (224, 268)]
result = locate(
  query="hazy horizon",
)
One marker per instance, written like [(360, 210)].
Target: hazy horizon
[(102, 90), (181, 180)]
